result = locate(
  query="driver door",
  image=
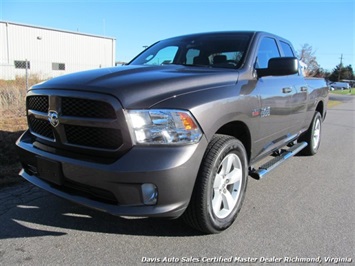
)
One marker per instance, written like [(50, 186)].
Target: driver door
[(275, 94)]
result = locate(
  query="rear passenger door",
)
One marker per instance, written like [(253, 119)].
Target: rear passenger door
[(299, 98)]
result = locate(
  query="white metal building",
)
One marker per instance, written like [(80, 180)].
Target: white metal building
[(50, 52)]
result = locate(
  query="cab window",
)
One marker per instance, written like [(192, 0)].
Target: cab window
[(164, 56), (267, 49), (286, 48), (191, 54)]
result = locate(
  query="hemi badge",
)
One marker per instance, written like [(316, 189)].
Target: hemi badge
[(255, 112)]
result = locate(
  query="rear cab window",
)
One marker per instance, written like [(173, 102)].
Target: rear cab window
[(287, 50)]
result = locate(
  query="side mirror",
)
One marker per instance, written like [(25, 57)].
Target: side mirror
[(279, 66)]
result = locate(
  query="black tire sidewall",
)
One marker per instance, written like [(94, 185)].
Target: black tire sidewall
[(308, 136), (233, 146), (314, 150)]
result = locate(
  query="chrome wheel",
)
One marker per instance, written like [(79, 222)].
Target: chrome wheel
[(227, 186), (316, 134), (220, 186)]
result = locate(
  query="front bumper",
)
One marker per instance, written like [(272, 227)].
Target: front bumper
[(116, 187)]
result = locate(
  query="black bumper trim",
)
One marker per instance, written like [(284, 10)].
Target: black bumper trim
[(169, 211)]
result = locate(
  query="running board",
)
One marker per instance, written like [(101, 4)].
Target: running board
[(275, 162)]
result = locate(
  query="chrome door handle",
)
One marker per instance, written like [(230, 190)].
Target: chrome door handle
[(286, 90), (304, 89)]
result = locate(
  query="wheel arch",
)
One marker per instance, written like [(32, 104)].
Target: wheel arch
[(240, 131), (320, 108)]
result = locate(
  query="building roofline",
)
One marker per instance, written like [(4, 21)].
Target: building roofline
[(53, 29)]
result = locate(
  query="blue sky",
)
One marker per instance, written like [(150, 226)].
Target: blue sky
[(328, 26)]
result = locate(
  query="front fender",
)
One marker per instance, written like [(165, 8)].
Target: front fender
[(215, 107)]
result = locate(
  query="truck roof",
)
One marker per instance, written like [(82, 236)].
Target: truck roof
[(251, 34), (217, 33)]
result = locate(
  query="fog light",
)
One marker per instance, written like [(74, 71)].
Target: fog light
[(150, 194)]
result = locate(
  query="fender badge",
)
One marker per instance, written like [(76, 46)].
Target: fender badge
[(262, 112), (53, 118), (255, 112)]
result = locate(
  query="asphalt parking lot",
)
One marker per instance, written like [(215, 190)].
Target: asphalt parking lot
[(302, 211)]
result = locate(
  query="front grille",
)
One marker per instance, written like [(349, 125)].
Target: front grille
[(38, 103), (41, 127), (84, 124), (106, 138), (86, 108)]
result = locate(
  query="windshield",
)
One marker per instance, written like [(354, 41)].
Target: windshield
[(226, 51)]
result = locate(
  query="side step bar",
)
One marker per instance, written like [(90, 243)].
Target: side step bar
[(273, 163)]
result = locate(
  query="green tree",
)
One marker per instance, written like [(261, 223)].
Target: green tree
[(348, 73), (341, 73)]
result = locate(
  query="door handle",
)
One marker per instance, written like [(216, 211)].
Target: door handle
[(304, 89), (286, 90)]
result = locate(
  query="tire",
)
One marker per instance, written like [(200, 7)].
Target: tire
[(220, 186), (313, 135)]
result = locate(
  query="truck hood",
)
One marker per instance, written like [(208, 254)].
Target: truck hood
[(144, 86)]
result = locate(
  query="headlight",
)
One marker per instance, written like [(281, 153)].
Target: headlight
[(163, 127)]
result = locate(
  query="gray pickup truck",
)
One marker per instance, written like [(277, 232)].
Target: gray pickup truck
[(175, 132)]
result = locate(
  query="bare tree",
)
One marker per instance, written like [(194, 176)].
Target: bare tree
[(307, 56)]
